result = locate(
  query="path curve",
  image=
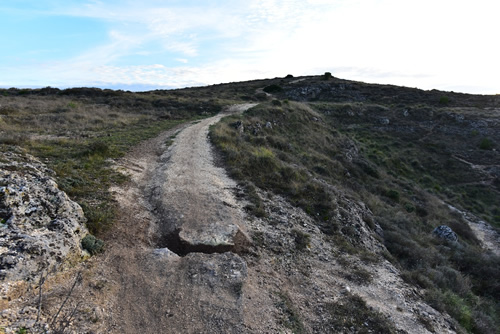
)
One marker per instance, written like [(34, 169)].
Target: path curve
[(175, 190), (166, 269), (197, 208)]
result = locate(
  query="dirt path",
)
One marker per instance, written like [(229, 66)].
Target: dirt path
[(195, 197), (489, 237), (176, 198), (173, 262)]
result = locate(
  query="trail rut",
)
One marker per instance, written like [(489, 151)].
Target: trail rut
[(173, 262), (177, 203), (194, 199)]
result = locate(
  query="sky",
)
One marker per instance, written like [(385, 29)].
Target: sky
[(451, 45)]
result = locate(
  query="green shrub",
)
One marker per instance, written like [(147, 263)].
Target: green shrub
[(302, 240), (264, 158), (486, 144), (99, 217), (273, 89), (409, 207), (98, 147), (92, 244), (392, 194), (444, 100), (457, 307)]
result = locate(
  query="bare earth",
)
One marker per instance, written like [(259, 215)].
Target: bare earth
[(179, 258), (176, 194)]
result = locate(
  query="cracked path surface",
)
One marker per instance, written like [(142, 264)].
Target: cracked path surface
[(178, 196), (195, 198), (171, 265)]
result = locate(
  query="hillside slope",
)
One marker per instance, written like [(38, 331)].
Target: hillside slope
[(340, 189), (418, 160)]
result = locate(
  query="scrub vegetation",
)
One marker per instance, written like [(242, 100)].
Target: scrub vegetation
[(407, 154), (78, 132), (405, 160)]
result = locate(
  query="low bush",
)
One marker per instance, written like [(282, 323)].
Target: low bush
[(292, 319), (273, 89), (392, 194), (486, 144), (351, 312), (92, 244), (98, 147), (444, 100), (302, 240)]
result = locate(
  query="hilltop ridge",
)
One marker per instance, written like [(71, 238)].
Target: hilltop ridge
[(343, 186)]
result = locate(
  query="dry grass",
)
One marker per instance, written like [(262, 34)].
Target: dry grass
[(77, 133), (303, 154), (402, 170)]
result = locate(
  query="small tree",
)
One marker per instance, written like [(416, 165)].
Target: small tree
[(327, 76)]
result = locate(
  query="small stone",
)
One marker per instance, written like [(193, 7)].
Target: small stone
[(446, 233)]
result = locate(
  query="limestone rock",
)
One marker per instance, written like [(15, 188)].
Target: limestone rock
[(446, 233), (239, 126), (40, 225)]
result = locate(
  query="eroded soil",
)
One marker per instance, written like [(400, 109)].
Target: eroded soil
[(169, 256), (183, 257)]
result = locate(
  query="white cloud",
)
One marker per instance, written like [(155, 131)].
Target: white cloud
[(186, 48), (428, 44)]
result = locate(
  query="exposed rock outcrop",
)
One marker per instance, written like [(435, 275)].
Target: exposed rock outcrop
[(446, 233), (40, 225)]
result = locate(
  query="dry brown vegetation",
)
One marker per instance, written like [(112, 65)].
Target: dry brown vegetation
[(77, 131)]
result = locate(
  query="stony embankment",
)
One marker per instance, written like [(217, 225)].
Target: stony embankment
[(40, 229)]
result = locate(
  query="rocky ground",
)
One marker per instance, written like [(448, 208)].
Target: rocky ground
[(184, 257), (40, 231), (275, 285)]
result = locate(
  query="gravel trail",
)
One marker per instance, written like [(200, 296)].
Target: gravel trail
[(177, 197)]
